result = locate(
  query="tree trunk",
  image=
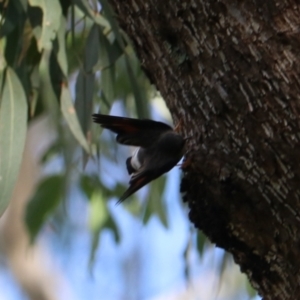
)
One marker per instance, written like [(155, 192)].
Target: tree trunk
[(229, 70)]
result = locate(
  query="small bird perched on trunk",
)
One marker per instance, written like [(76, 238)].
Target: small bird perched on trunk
[(160, 148)]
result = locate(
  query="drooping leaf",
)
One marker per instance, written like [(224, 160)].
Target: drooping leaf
[(71, 118), (111, 224), (12, 47), (85, 81), (92, 49), (107, 68), (84, 99), (90, 184), (15, 39), (11, 17), (108, 52), (108, 224), (24, 4), (139, 97), (26, 41), (100, 218), (51, 21), (99, 213), (13, 124), (47, 91), (75, 48), (47, 197), (112, 21), (61, 54), (84, 6), (107, 84), (108, 77)]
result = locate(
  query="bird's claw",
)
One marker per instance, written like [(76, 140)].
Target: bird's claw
[(186, 163), (178, 126)]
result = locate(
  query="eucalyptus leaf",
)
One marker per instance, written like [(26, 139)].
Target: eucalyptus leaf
[(71, 118), (84, 6), (107, 84), (108, 52), (84, 99), (112, 21), (13, 127), (61, 54), (92, 49), (100, 219), (48, 94), (24, 4), (51, 21), (46, 198), (140, 99)]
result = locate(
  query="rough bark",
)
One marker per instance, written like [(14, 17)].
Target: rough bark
[(229, 70)]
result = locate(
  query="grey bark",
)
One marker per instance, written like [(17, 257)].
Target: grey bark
[(230, 71)]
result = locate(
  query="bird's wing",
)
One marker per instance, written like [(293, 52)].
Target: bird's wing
[(149, 172), (133, 132)]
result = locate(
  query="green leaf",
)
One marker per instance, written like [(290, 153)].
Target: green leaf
[(47, 91), (108, 224), (90, 184), (13, 125), (10, 16), (70, 115), (107, 69), (84, 99), (12, 47), (99, 213), (112, 21), (61, 54), (85, 81), (84, 6), (100, 217), (47, 197), (24, 4), (51, 21), (139, 97), (107, 84), (108, 52), (92, 49)]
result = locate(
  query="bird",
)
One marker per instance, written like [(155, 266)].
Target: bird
[(160, 147)]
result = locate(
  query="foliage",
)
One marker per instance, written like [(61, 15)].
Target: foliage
[(51, 42)]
